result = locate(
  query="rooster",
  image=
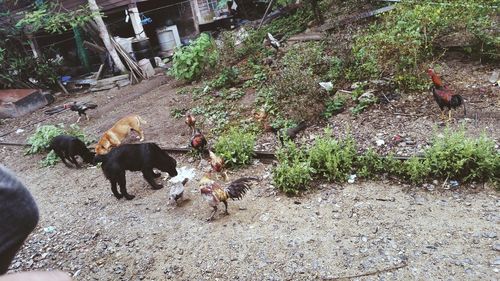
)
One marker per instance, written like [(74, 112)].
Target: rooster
[(214, 193), (80, 108), (444, 96), (217, 164), (198, 140), (190, 121)]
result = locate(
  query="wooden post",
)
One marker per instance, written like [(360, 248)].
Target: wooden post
[(135, 19), (197, 13), (194, 8), (103, 33)]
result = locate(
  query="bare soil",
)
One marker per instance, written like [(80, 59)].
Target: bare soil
[(383, 230)]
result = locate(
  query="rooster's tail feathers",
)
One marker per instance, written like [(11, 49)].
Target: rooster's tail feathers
[(239, 187)]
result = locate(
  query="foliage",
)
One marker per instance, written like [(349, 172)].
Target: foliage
[(50, 160), (178, 112), (236, 147), (333, 159), (20, 70), (227, 78), (458, 157), (294, 171), (333, 106), (298, 95), (40, 140), (49, 17), (191, 61), (407, 37), (335, 70), (369, 164)]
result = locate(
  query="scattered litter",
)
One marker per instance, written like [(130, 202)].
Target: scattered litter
[(18, 131), (380, 142), (494, 76), (454, 183), (351, 179), (328, 86), (49, 229), (367, 97)]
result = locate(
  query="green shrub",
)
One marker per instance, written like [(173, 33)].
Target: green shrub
[(416, 170), (293, 172), (236, 147), (333, 159), (189, 62), (458, 157), (369, 164), (333, 106)]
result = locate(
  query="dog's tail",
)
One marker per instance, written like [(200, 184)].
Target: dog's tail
[(142, 121)]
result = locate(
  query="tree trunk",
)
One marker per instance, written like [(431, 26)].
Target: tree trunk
[(103, 33), (317, 12)]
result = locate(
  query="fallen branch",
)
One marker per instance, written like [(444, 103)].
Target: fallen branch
[(403, 264)]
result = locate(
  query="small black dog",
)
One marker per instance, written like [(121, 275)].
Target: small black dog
[(67, 147), (135, 157)]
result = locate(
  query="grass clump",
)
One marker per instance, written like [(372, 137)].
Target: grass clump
[(236, 147), (333, 159), (294, 171)]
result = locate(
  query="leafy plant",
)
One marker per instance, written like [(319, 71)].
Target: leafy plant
[(40, 141), (236, 147), (333, 159), (293, 172), (189, 62), (369, 164), (227, 78), (178, 112), (333, 106)]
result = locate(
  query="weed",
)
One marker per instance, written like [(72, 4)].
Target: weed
[(227, 78), (178, 112), (369, 164), (236, 147), (294, 171), (333, 159), (334, 106)]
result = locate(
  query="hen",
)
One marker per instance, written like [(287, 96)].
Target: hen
[(190, 121), (217, 164), (177, 191), (198, 140), (214, 193), (81, 108), (444, 96)]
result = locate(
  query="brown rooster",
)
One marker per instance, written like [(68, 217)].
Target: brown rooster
[(198, 140), (214, 193), (444, 96), (190, 121)]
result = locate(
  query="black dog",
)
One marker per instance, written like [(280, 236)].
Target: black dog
[(67, 147), (135, 157)]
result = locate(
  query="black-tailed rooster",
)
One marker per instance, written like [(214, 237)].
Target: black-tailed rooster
[(81, 108), (444, 96), (214, 193)]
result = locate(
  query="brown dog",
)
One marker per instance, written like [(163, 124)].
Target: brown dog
[(114, 136)]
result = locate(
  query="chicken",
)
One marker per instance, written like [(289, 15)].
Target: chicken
[(190, 121), (444, 96), (217, 164), (273, 41), (198, 140), (80, 108), (214, 193), (177, 191)]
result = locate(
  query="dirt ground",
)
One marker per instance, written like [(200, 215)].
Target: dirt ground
[(385, 230)]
